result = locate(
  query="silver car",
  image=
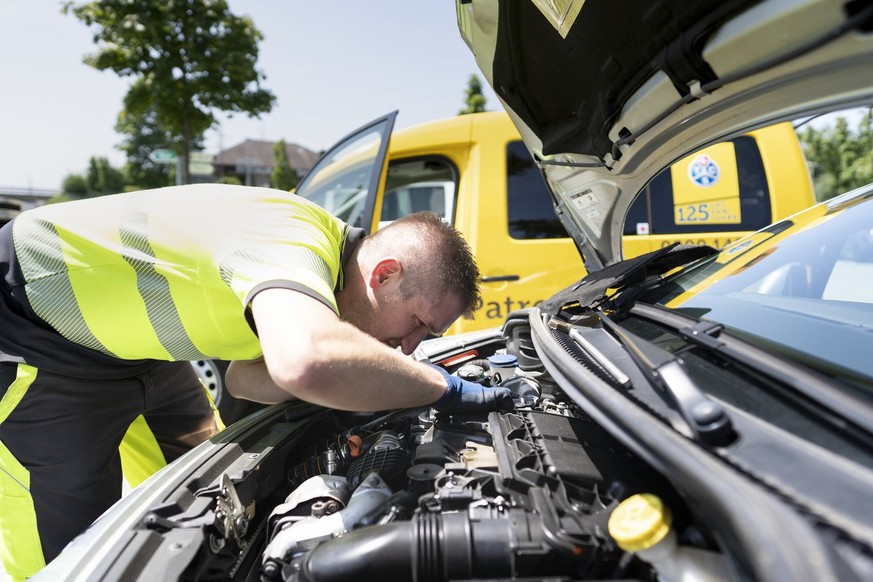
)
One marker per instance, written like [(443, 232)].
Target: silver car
[(693, 413)]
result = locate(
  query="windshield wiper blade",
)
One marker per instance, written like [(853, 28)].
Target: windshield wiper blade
[(704, 419), (617, 375), (805, 381)]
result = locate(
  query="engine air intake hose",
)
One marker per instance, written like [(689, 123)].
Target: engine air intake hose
[(430, 548)]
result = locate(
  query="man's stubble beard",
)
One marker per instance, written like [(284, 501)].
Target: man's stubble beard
[(359, 312)]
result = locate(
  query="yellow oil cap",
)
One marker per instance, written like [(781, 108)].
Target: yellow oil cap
[(639, 522)]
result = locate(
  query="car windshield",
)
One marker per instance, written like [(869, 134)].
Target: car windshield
[(801, 287)]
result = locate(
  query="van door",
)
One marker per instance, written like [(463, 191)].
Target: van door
[(523, 250), (345, 179)]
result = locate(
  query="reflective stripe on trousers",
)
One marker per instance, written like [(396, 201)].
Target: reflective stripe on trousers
[(20, 549)]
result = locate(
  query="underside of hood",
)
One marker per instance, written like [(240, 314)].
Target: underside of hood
[(606, 94), (611, 50)]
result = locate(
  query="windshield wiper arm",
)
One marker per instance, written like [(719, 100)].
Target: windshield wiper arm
[(705, 420), (801, 379), (617, 375)]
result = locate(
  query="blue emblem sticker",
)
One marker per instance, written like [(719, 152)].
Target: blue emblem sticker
[(703, 171)]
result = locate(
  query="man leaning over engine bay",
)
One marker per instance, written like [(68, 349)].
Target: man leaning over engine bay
[(103, 302)]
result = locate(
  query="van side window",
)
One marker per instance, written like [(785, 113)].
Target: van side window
[(529, 208), (746, 209), (419, 184), (754, 192), (637, 220)]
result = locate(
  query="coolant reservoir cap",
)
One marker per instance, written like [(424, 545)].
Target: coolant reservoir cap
[(639, 522), (502, 361)]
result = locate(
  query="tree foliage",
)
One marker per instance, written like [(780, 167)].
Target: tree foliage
[(840, 157), (100, 178), (189, 60), (283, 176), (474, 100), (74, 186), (103, 178), (142, 136)]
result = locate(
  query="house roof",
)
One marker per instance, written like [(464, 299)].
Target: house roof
[(259, 154)]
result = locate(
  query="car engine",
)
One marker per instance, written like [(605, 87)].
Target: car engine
[(426, 496)]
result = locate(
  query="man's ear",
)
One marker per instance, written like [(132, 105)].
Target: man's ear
[(385, 270)]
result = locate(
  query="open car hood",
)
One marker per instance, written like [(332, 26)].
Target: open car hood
[(606, 96)]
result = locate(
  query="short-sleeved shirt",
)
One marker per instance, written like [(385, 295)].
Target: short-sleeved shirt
[(98, 287)]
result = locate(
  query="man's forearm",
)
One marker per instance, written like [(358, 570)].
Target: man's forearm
[(346, 369), (250, 380)]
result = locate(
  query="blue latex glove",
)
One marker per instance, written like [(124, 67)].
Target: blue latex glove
[(465, 397)]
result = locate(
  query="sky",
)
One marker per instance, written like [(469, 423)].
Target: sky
[(333, 66)]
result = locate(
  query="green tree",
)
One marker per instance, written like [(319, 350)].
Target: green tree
[(283, 176), (142, 136), (475, 100), (188, 59), (100, 178), (103, 178), (74, 186), (840, 157)]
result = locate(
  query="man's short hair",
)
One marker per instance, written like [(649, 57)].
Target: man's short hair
[(435, 256)]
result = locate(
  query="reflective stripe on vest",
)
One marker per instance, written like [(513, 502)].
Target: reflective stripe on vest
[(155, 291), (51, 292), (136, 276)]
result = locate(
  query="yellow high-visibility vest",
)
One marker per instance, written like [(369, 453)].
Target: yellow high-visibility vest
[(168, 274)]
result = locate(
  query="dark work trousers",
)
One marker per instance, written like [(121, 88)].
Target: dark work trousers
[(59, 439)]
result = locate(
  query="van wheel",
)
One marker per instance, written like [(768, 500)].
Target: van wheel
[(211, 373)]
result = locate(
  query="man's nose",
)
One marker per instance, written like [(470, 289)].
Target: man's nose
[(411, 341)]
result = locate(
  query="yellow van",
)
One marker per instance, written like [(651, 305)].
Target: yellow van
[(475, 171)]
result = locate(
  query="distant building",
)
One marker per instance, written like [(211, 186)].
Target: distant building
[(252, 161)]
